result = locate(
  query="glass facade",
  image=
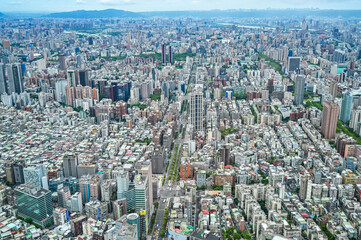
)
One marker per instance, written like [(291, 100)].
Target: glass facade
[(35, 203)]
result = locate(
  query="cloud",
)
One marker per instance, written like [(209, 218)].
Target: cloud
[(80, 1)]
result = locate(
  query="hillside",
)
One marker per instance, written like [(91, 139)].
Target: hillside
[(93, 14)]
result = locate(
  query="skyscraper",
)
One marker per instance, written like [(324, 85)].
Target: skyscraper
[(170, 55), (62, 62), (15, 79), (293, 64), (106, 190), (34, 175), (163, 53), (89, 188), (18, 169), (60, 90), (145, 90), (299, 90), (196, 109), (70, 163), (303, 186), (34, 202), (90, 41), (124, 190), (3, 83), (142, 200), (355, 119), (84, 78), (158, 161), (73, 78), (329, 119), (346, 107), (75, 203), (63, 195), (333, 89), (69, 95), (146, 170)]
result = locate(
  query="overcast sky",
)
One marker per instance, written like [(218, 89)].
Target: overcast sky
[(164, 5)]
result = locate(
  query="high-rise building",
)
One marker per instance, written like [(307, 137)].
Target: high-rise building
[(84, 78), (96, 210), (60, 94), (127, 227), (329, 119), (79, 61), (63, 196), (119, 208), (303, 186), (120, 109), (163, 53), (186, 170), (146, 90), (201, 178), (15, 78), (15, 173), (122, 181), (9, 174), (62, 62), (158, 161), (293, 64), (106, 190), (170, 55), (333, 69), (73, 78), (3, 83), (61, 216), (339, 56), (355, 119), (124, 189), (70, 163), (333, 89), (69, 95), (299, 90), (6, 44), (34, 175), (34, 202), (18, 169), (196, 109), (90, 41), (76, 225), (89, 188), (142, 200), (346, 107), (146, 170), (134, 95), (270, 86), (75, 203)]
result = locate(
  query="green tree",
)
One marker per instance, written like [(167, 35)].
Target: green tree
[(236, 236), (28, 220)]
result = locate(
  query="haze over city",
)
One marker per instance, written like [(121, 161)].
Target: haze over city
[(169, 5)]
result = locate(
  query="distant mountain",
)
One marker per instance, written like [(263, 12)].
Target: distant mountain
[(93, 14), (252, 13), (2, 15), (234, 13)]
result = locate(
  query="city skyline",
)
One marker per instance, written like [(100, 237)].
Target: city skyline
[(164, 125), (171, 5)]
